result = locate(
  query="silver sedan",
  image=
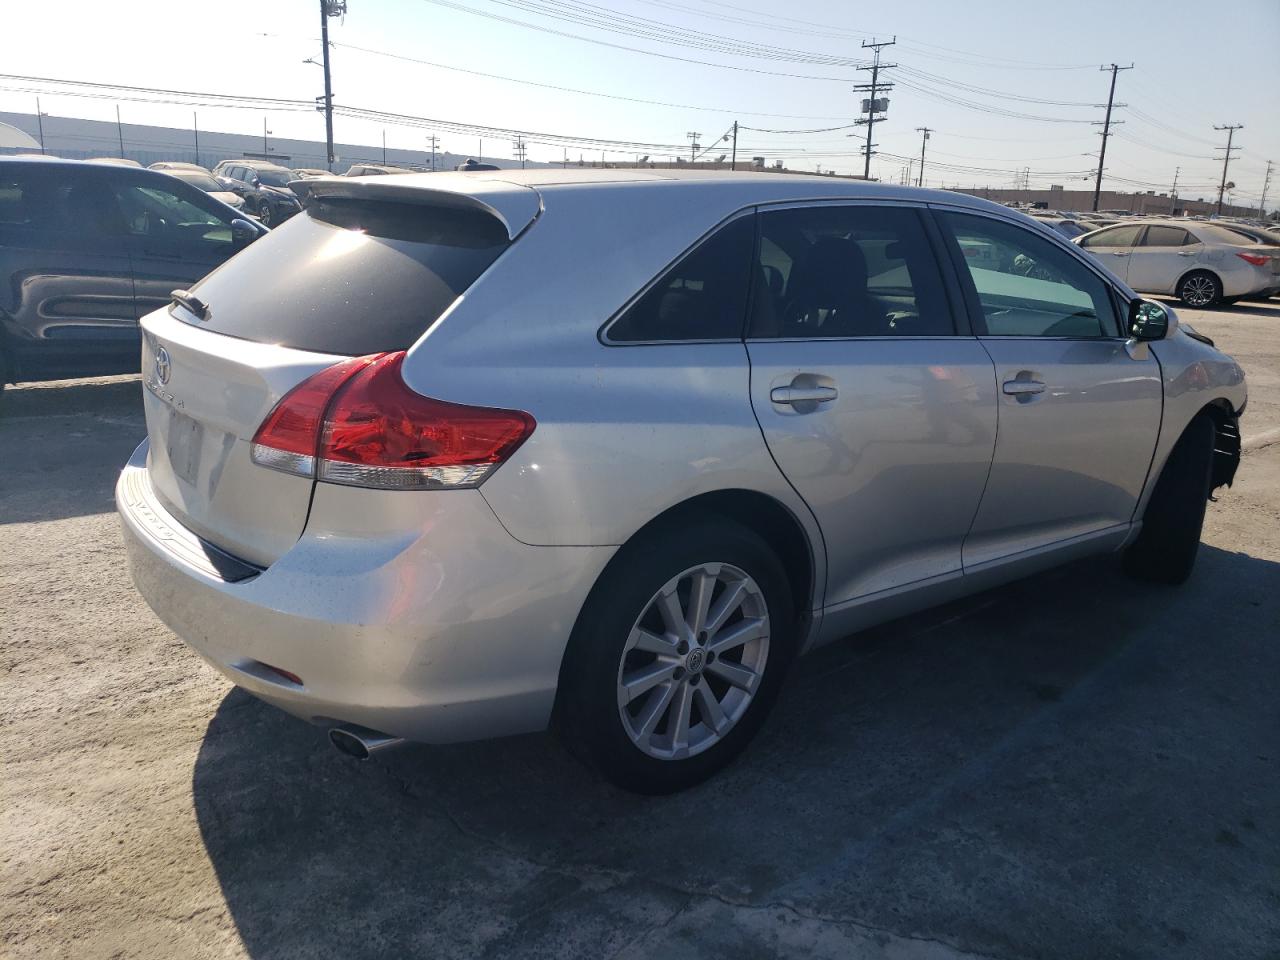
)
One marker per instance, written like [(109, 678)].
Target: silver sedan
[(476, 454), (1200, 263)]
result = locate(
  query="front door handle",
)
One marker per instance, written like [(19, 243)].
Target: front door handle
[(793, 395), (1022, 388), (1119, 253), (1186, 253)]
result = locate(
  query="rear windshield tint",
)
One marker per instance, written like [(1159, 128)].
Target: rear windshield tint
[(351, 276)]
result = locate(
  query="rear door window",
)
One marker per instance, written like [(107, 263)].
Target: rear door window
[(1161, 236), (351, 276), (847, 271)]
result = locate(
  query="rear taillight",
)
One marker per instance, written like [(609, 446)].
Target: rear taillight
[(1257, 259), (357, 423)]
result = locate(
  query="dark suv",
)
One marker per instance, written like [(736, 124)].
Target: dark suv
[(86, 249), (264, 187)]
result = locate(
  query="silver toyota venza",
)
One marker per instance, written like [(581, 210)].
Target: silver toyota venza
[(454, 456)]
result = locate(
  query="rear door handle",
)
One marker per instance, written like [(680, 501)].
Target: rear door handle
[(793, 395), (1120, 253), (1020, 388), (1186, 253)]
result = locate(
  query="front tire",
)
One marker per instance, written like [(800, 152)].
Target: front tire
[(264, 213), (677, 656), (1165, 551), (1200, 289)]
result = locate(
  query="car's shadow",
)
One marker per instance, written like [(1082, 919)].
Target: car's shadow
[(1072, 765)]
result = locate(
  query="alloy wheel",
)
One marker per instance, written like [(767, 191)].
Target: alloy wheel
[(264, 214), (693, 661), (1198, 291)]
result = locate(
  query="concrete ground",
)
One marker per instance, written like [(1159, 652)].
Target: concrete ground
[(1073, 766)]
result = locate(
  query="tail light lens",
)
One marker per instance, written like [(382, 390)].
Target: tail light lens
[(1257, 259), (357, 423)]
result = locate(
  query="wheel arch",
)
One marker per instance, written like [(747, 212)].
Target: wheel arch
[(1226, 447), (1226, 440), (759, 512)]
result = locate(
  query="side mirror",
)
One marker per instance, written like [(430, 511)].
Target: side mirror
[(243, 233), (1148, 320)]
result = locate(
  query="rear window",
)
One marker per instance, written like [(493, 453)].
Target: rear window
[(1216, 234), (351, 276)]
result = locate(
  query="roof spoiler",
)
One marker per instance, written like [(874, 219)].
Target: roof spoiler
[(513, 206)]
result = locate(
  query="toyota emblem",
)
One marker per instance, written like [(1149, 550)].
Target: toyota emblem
[(162, 365)]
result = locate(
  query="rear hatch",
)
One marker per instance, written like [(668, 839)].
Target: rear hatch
[(367, 269)]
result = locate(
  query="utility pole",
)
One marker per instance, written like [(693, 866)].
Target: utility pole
[(1262, 204), (733, 161), (384, 147), (329, 8), (40, 123), (693, 136), (1231, 129), (120, 134), (871, 106), (195, 128), (1106, 128), (521, 151), (1173, 192), (432, 140), (923, 140), (480, 155), (265, 149)]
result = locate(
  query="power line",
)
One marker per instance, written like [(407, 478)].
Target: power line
[(577, 90)]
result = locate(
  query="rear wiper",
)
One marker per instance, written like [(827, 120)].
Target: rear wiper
[(193, 303)]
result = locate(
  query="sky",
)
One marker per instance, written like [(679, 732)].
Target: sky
[(1005, 85)]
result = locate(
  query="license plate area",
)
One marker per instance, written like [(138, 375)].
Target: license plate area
[(184, 441)]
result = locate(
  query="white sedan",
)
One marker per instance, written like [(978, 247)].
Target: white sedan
[(1200, 263)]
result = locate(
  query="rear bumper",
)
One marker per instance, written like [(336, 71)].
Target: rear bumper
[(410, 612)]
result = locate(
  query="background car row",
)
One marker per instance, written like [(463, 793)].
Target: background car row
[(87, 249), (1201, 263)]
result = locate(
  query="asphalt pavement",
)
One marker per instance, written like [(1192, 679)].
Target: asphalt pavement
[(1073, 766)]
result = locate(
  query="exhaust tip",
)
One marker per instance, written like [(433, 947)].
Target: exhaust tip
[(361, 742), (348, 743)]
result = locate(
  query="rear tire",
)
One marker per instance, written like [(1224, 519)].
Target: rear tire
[(715, 689), (1200, 289), (1165, 551)]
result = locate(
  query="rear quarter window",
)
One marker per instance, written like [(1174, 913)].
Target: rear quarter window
[(351, 276)]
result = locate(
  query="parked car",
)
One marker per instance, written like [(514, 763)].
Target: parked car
[(87, 249), (209, 184), (1200, 263), (459, 456), (1068, 228), (114, 161), (263, 186), (472, 165), (168, 166), (308, 173), (1267, 235), (374, 170)]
